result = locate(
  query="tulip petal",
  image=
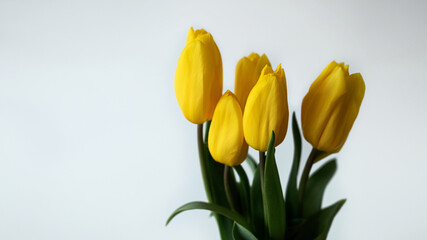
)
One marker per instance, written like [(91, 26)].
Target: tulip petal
[(198, 77), (318, 104), (248, 70), (331, 106), (266, 110), (244, 81), (342, 119), (226, 141)]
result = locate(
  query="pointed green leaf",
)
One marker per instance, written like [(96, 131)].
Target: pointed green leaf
[(317, 226), (316, 186), (232, 215), (252, 163), (292, 200), (241, 233), (257, 208), (274, 204), (326, 217), (244, 190)]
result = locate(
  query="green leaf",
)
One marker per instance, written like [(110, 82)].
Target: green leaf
[(292, 200), (326, 217), (241, 233), (317, 227), (244, 190), (316, 186), (252, 163), (274, 204), (257, 208), (232, 215)]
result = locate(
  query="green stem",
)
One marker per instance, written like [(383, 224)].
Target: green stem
[(227, 186), (304, 177), (261, 168), (207, 126), (203, 166)]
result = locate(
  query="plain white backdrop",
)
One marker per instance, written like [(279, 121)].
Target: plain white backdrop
[(94, 146)]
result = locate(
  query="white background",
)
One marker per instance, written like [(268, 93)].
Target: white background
[(94, 146)]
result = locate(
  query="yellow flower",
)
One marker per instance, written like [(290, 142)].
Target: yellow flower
[(330, 107), (266, 110), (198, 77), (248, 70), (226, 142)]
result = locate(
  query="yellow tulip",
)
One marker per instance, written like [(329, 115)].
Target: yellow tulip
[(248, 70), (266, 109), (226, 142), (330, 107), (198, 77)]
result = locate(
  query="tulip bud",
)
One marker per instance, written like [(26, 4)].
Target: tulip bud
[(330, 107), (266, 110), (226, 142), (198, 77), (248, 70)]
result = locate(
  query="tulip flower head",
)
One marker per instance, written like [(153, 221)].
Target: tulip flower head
[(266, 110), (331, 106), (198, 77), (226, 142), (248, 70)]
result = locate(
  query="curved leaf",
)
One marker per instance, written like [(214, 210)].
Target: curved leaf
[(316, 186), (211, 207), (241, 233), (326, 217), (274, 204), (317, 226), (292, 200)]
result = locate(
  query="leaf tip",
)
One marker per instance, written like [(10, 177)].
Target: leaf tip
[(168, 221)]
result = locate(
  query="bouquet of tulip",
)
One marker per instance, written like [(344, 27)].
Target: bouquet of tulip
[(256, 115)]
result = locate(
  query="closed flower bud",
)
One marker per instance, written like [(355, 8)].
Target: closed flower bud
[(198, 77), (248, 70), (226, 142), (266, 110), (330, 107)]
